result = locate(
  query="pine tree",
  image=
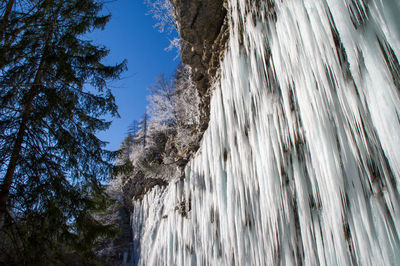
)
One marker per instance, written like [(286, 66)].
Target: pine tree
[(126, 148), (141, 135), (53, 89), (133, 128)]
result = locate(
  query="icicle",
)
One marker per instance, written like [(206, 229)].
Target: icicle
[(301, 160)]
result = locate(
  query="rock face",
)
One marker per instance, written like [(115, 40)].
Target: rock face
[(203, 31), (138, 185)]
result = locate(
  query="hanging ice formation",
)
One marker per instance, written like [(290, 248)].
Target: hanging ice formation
[(300, 164)]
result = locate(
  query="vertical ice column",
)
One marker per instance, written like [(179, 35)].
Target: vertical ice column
[(301, 160)]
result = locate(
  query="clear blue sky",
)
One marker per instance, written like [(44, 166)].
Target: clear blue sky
[(130, 35)]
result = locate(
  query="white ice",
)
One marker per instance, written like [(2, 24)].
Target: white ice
[(301, 160)]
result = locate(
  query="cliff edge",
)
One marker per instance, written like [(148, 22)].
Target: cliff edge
[(204, 34)]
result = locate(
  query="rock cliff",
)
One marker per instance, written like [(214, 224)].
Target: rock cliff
[(204, 32)]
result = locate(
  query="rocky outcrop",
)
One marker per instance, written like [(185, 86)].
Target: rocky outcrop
[(138, 185), (203, 31)]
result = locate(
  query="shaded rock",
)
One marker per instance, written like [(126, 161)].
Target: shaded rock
[(138, 185), (204, 33)]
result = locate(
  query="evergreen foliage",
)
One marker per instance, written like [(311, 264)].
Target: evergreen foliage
[(133, 128), (141, 133), (53, 93)]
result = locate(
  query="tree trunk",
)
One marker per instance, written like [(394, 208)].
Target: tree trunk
[(8, 178)]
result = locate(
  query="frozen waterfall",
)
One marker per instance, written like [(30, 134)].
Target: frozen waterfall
[(300, 164)]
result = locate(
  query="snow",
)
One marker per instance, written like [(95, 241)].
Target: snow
[(301, 160)]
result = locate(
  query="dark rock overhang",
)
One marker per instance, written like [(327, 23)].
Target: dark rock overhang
[(204, 33)]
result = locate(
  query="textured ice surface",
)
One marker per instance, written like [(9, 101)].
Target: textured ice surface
[(301, 160)]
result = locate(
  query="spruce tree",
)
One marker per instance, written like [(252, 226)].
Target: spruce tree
[(133, 128), (142, 128), (53, 93), (18, 17)]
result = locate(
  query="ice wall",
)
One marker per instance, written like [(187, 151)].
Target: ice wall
[(300, 164)]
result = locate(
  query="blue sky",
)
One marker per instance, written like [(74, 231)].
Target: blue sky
[(130, 35)]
